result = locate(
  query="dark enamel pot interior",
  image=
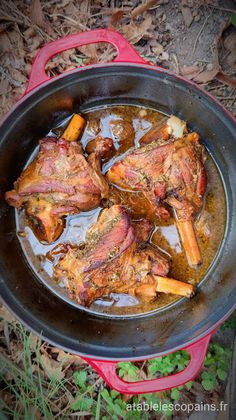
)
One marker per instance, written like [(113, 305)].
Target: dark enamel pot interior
[(77, 329)]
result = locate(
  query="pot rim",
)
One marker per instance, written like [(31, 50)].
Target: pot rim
[(187, 83), (30, 93)]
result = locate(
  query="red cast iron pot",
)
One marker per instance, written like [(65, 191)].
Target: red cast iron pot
[(100, 339)]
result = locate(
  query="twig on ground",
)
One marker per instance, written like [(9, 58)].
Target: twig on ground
[(200, 32), (74, 22), (224, 98), (7, 18), (223, 9), (177, 63)]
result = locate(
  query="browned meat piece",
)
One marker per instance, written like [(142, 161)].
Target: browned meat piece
[(174, 174), (115, 259), (58, 182), (108, 238), (45, 219), (102, 146), (105, 240)]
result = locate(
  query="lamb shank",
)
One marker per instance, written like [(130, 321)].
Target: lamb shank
[(171, 173), (117, 259), (59, 181)]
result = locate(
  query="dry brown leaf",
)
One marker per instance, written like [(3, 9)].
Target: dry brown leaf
[(6, 315), (126, 397), (127, 378), (38, 414), (116, 17), (38, 17), (52, 368), (4, 86), (18, 76), (230, 42), (84, 6), (225, 78), (91, 52), (190, 72), (67, 359), (143, 8), (206, 75), (17, 92), (62, 3), (187, 15), (216, 71), (16, 350), (231, 59), (36, 42), (5, 43), (230, 46), (72, 11), (17, 45), (186, 70), (134, 32), (34, 342), (29, 33)]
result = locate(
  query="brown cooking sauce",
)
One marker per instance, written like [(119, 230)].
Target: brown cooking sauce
[(210, 224)]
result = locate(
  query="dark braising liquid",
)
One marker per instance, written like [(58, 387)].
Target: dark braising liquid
[(209, 226)]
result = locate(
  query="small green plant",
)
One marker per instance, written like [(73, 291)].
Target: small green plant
[(27, 385), (82, 401), (233, 19), (33, 389), (128, 368), (80, 378), (216, 366), (229, 323), (115, 405), (163, 366), (215, 369)]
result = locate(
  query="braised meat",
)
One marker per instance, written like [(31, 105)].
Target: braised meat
[(102, 146), (116, 258), (170, 174), (59, 181)]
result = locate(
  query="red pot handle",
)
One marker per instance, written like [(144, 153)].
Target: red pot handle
[(125, 52), (197, 351)]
